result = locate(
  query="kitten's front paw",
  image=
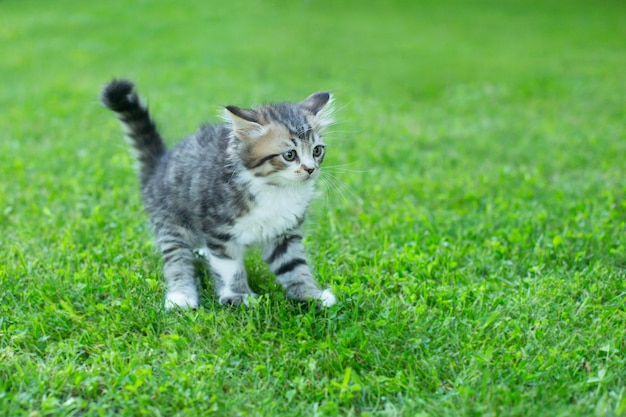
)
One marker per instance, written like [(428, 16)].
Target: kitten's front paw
[(181, 300), (235, 299), (302, 292), (327, 298)]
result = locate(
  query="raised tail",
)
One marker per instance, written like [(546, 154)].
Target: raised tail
[(141, 131)]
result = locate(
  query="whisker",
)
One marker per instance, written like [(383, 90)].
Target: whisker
[(339, 189), (333, 131), (339, 165), (341, 168), (331, 190)]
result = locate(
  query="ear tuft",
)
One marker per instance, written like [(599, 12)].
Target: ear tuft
[(244, 123)]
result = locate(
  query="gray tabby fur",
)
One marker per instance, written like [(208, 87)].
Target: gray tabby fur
[(229, 186)]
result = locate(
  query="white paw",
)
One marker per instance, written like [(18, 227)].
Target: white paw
[(182, 300), (236, 299), (327, 298)]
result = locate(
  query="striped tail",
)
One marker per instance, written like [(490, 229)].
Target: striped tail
[(141, 131)]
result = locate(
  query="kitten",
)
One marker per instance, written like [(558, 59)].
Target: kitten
[(226, 187)]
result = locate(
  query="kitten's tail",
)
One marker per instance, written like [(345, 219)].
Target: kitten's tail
[(141, 131)]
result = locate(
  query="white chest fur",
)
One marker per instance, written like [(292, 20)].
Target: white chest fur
[(275, 210)]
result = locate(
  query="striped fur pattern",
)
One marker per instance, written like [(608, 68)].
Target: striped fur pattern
[(226, 187)]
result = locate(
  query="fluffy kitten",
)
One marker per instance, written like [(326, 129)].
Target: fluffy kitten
[(226, 187)]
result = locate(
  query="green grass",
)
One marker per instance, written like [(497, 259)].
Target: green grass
[(477, 240)]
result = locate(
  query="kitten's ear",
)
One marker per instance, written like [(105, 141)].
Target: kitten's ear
[(320, 104), (244, 123), (316, 102)]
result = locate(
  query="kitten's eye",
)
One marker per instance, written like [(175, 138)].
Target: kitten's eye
[(290, 155), (318, 150)]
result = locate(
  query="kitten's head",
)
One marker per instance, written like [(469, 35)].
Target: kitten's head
[(282, 142)]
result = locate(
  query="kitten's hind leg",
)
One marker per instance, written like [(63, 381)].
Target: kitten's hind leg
[(231, 282), (180, 273), (287, 260)]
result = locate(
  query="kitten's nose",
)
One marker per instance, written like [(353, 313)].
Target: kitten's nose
[(309, 170)]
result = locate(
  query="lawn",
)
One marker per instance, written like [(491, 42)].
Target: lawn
[(471, 220)]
